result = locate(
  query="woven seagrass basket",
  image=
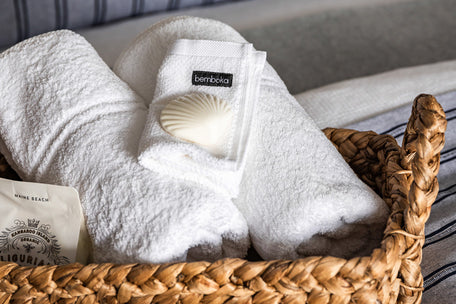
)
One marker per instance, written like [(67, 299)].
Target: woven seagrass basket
[(404, 177)]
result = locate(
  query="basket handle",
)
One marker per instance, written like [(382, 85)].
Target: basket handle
[(423, 140)]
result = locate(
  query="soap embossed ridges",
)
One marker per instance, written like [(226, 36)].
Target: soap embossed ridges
[(199, 118)]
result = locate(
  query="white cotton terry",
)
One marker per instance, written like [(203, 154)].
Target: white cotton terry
[(67, 119), (241, 66), (298, 194)]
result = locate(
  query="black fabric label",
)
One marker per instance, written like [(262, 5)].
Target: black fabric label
[(213, 79)]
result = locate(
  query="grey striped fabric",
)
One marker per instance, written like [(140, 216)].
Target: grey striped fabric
[(21, 19), (439, 250)]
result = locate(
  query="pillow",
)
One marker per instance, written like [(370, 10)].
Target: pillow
[(346, 102)]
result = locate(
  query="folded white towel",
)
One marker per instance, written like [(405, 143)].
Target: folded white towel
[(195, 66), (67, 119), (349, 101), (298, 195)]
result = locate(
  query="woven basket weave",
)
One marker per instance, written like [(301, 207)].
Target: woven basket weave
[(404, 177)]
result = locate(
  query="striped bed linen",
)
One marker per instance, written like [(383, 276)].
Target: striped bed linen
[(439, 250), (21, 19)]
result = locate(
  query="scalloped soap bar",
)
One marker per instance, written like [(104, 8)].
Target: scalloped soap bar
[(199, 118)]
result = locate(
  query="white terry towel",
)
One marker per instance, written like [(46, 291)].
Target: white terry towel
[(187, 64), (67, 119), (298, 195)]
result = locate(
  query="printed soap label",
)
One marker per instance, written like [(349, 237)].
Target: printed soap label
[(31, 244), (212, 79), (40, 223)]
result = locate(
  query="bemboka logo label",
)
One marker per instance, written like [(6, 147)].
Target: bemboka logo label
[(213, 79), (30, 244)]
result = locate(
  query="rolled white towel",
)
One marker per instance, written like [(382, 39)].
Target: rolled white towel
[(67, 119), (298, 194)]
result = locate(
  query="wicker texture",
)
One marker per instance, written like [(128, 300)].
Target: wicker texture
[(406, 179)]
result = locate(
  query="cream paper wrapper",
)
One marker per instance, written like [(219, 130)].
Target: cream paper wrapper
[(40, 224)]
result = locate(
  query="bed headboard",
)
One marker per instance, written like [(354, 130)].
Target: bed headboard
[(21, 19)]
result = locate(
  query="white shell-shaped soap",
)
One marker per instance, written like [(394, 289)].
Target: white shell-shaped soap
[(199, 118)]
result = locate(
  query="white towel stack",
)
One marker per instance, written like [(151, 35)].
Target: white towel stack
[(298, 194), (186, 63), (67, 119)]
